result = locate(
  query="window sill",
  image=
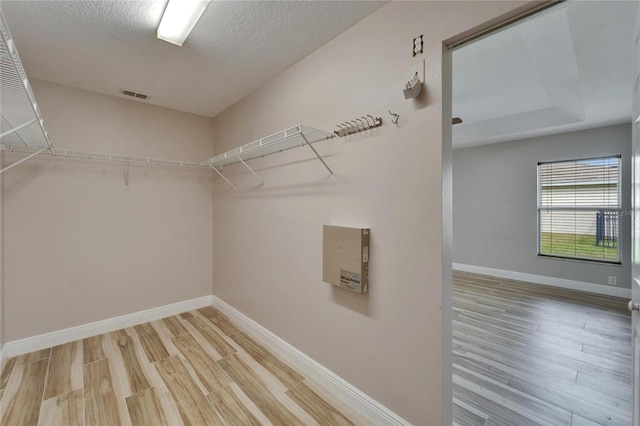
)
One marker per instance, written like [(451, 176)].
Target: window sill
[(580, 260)]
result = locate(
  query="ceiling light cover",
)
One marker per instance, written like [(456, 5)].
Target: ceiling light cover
[(179, 18)]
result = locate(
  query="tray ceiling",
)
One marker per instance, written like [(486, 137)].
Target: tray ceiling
[(565, 69)]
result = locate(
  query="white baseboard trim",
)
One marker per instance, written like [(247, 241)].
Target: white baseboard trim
[(541, 279), (364, 404), (47, 340)]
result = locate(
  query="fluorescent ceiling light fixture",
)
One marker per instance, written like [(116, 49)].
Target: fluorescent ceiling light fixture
[(179, 18)]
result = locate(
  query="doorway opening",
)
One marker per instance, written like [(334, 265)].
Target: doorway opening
[(540, 338)]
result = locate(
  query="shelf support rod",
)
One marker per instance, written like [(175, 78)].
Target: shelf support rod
[(222, 176), (27, 158), (250, 169), (316, 153), (15, 129)]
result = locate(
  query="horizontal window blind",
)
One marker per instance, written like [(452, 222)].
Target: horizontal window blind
[(579, 208)]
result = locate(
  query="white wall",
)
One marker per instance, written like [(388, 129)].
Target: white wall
[(268, 240), (495, 205), (78, 247)]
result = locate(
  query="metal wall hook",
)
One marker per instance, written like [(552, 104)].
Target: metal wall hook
[(395, 118)]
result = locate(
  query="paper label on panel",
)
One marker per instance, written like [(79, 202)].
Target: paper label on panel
[(349, 280)]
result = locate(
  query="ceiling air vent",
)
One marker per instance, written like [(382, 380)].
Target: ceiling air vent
[(134, 94)]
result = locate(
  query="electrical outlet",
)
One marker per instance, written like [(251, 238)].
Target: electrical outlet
[(417, 45), (418, 67), (613, 280)]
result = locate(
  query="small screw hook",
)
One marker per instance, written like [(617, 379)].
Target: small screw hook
[(395, 118)]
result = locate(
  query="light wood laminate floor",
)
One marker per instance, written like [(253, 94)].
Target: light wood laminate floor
[(526, 354), (197, 368)]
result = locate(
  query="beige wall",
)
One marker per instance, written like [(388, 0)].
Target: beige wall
[(1, 261), (268, 241), (80, 248)]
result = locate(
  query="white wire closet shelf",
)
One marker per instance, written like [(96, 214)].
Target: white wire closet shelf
[(292, 137), (126, 160), (21, 123), (101, 157), (22, 128)]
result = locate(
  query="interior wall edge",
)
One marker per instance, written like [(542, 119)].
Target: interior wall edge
[(47, 340), (363, 403), (447, 235), (541, 279)]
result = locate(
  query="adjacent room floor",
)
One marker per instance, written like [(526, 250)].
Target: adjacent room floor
[(195, 368), (527, 354)]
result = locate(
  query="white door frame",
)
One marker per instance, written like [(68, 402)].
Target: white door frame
[(635, 233)]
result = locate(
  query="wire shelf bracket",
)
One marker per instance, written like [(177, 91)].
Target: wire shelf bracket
[(292, 137), (222, 176), (251, 170)]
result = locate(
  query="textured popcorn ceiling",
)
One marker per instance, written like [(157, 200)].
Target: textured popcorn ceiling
[(563, 70), (105, 46)]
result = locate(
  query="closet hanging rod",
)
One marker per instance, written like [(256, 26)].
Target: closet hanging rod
[(65, 153)]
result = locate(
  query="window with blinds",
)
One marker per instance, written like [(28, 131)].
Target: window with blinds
[(579, 209)]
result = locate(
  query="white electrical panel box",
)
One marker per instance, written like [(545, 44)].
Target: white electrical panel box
[(345, 257)]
